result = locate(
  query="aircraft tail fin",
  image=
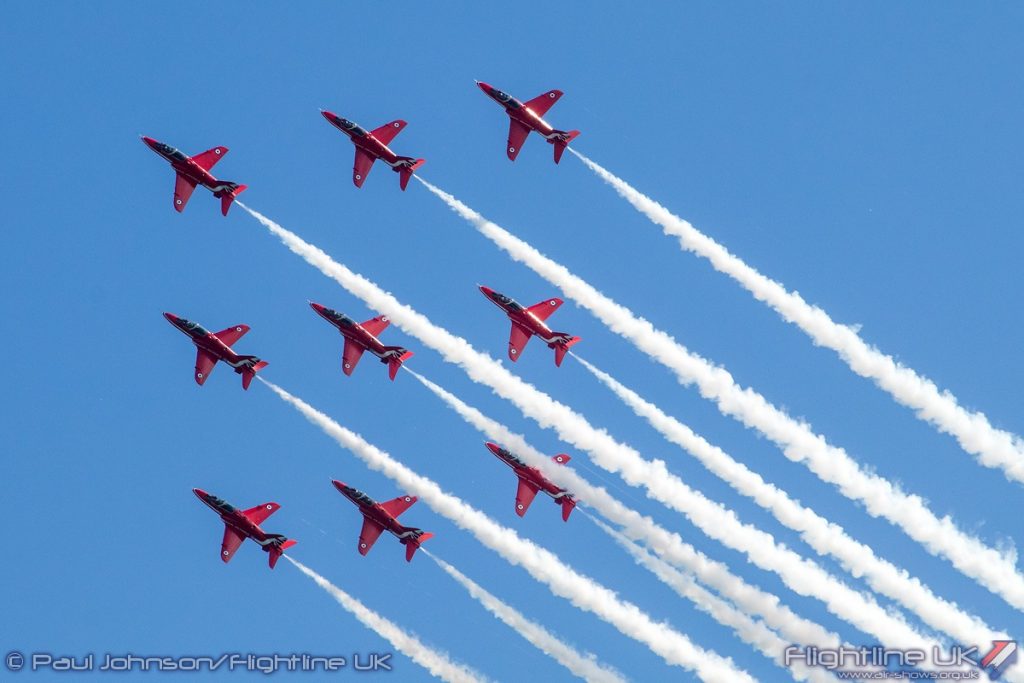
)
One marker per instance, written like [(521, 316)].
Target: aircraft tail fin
[(406, 170), (568, 503), (562, 141), (276, 551), (395, 359), (229, 195), (250, 368), (562, 348), (413, 544)]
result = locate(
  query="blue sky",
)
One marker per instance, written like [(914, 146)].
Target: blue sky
[(866, 156)]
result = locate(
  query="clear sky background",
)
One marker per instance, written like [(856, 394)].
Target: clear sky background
[(867, 156)]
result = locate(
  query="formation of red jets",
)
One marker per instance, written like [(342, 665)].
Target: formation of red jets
[(527, 322)]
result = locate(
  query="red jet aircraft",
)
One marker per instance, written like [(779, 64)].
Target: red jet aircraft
[(526, 116), (192, 171), (215, 346), (242, 524), (373, 145), (380, 516), (532, 480), (527, 322), (362, 336)]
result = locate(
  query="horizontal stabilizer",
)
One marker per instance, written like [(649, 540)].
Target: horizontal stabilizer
[(405, 171), (563, 348), (276, 552), (227, 197), (562, 141), (396, 359), (412, 546), (568, 503), (248, 372)]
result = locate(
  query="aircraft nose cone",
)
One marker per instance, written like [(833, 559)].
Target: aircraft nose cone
[(171, 318), (148, 140), (328, 115), (492, 447), (340, 485), (487, 291), (484, 86), (316, 307), (200, 493)]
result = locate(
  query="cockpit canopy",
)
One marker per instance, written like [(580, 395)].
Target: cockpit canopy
[(221, 503), (360, 497), (170, 151), (351, 127), (506, 301), (507, 455), (339, 318), (505, 98), (194, 328)]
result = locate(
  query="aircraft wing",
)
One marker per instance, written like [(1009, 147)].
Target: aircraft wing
[(517, 341), (350, 356), (210, 157), (517, 133), (232, 539), (233, 334), (540, 104), (543, 309), (362, 167), (368, 535), (204, 365), (259, 514), (376, 325), (183, 188), (524, 496), (398, 505), (388, 131)]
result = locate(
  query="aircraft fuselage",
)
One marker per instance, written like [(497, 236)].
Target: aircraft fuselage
[(206, 341)]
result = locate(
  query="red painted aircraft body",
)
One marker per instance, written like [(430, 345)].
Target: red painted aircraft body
[(378, 517), (525, 117), (216, 346), (528, 322), (372, 145), (242, 524), (192, 171), (531, 480), (360, 337)]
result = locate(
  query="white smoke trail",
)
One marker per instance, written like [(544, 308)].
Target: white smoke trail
[(751, 631), (991, 568), (825, 537), (586, 594), (993, 447), (801, 575), (437, 663), (585, 666), (669, 545)]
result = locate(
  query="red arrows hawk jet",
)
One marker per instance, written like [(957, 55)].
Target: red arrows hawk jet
[(532, 480), (215, 346), (526, 116), (527, 322), (373, 145), (192, 171), (242, 524), (362, 336), (380, 516)]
